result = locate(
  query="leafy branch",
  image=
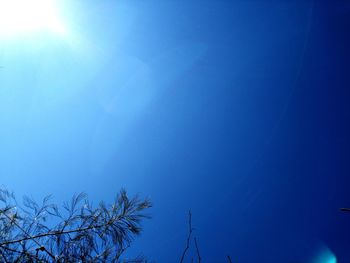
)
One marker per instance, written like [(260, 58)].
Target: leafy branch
[(78, 232)]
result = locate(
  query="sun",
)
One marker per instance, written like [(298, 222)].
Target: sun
[(18, 17)]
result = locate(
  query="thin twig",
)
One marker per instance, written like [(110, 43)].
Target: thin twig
[(190, 230), (197, 250), (28, 236), (2, 256), (19, 252), (55, 233), (229, 259)]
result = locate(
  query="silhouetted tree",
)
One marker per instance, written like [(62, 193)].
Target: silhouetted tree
[(78, 232), (188, 243)]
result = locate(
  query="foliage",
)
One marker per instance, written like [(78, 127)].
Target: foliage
[(78, 232)]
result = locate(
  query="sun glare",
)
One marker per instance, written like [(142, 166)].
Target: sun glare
[(18, 17)]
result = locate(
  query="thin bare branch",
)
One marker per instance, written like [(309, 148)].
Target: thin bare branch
[(197, 251), (190, 230)]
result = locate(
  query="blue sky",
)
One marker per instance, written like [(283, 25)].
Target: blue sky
[(237, 110)]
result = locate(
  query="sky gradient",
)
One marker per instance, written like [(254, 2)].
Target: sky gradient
[(237, 110)]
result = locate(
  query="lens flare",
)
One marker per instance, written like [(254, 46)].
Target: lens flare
[(325, 256)]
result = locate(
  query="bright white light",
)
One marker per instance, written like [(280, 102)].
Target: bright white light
[(28, 16)]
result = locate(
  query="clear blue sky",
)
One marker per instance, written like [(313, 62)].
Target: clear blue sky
[(238, 110)]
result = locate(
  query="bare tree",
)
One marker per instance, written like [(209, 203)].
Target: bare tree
[(78, 232), (188, 243)]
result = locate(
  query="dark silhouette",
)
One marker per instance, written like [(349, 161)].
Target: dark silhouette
[(188, 242), (77, 233), (190, 231)]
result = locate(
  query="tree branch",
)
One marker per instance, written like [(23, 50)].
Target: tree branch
[(28, 236), (190, 230), (55, 233), (86, 233), (197, 250)]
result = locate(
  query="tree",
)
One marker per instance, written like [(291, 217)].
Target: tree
[(188, 242), (78, 232)]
